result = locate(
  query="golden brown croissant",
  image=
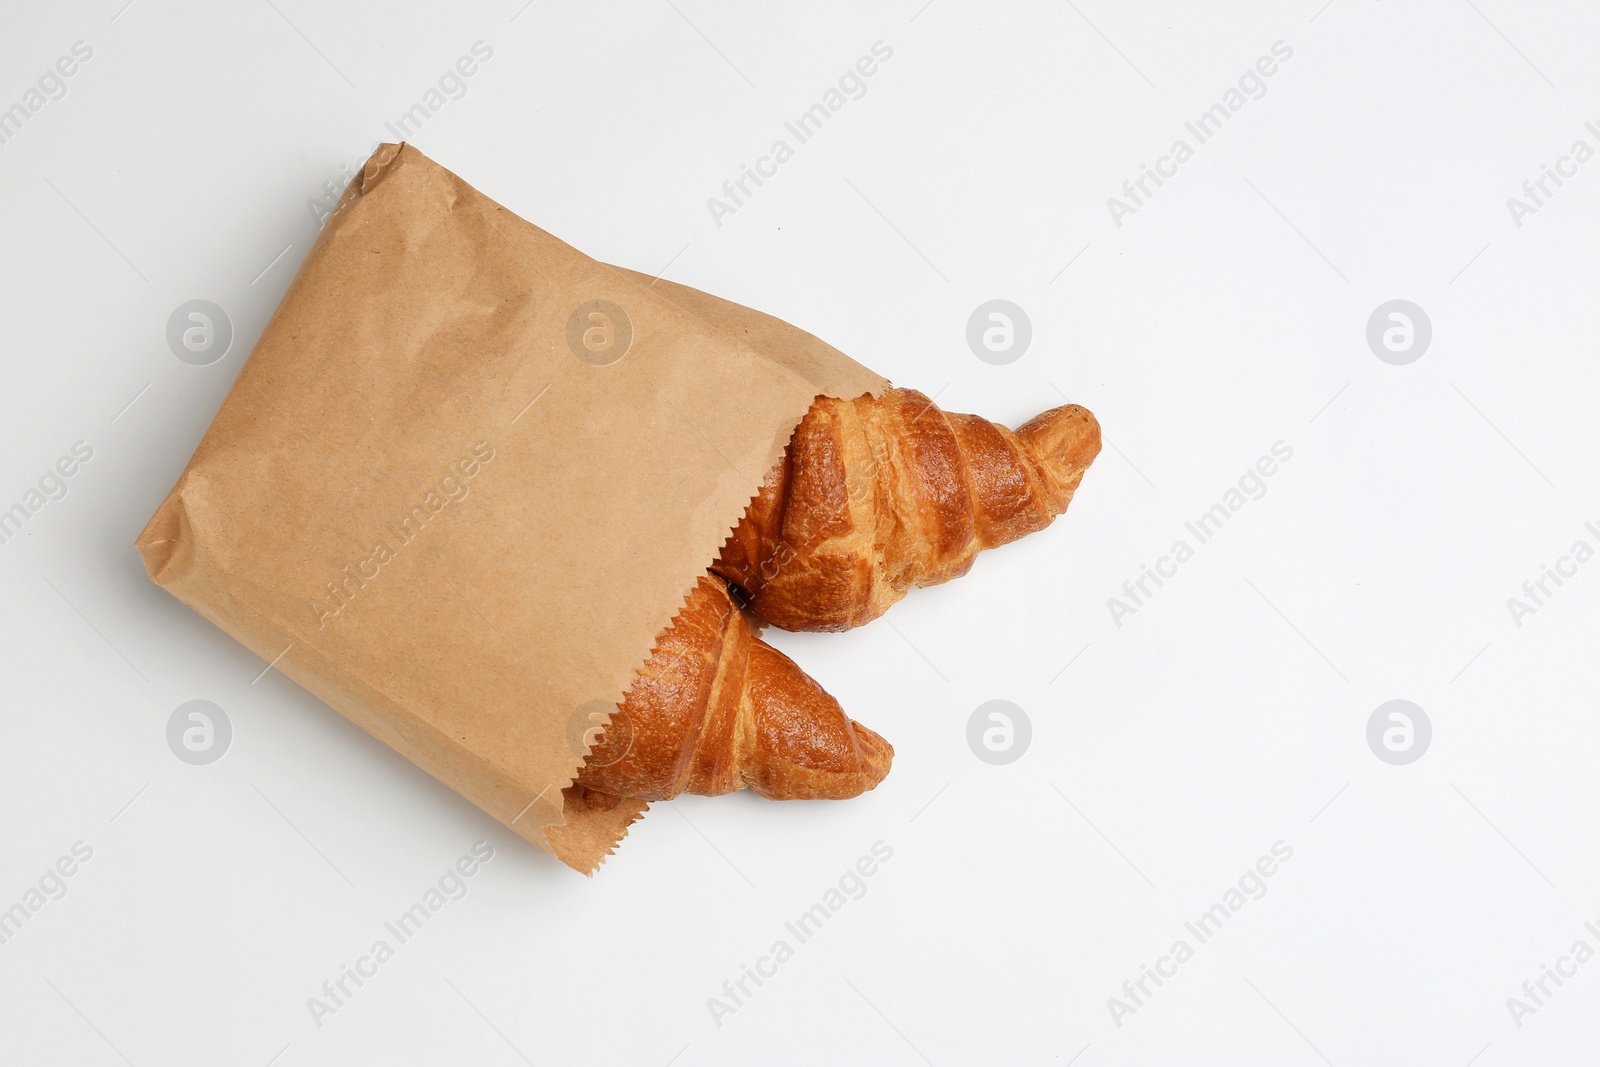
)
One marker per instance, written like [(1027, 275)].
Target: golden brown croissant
[(715, 709), (875, 496)]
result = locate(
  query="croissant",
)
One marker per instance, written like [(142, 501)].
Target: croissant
[(876, 495), (715, 709)]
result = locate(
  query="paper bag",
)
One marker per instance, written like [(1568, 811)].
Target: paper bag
[(469, 474)]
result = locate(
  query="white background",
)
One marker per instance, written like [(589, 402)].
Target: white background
[(1229, 713)]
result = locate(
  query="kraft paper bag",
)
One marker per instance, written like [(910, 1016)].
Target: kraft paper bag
[(469, 474)]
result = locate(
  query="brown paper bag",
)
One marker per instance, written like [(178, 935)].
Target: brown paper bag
[(469, 474)]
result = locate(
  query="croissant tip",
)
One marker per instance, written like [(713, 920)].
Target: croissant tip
[(1066, 437), (875, 755)]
